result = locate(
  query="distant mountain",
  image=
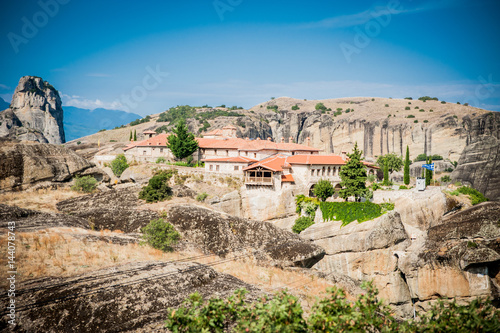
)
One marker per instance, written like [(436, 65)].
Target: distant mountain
[(82, 122), (3, 104)]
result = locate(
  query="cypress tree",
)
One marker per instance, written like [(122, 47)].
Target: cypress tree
[(386, 174), (135, 135), (428, 173), (407, 167), (130, 139)]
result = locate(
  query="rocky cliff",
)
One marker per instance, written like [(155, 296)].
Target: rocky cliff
[(35, 113)]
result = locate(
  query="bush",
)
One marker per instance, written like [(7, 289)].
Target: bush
[(160, 235), (427, 98), (323, 189), (375, 186), (140, 121), (403, 187), (350, 211), (387, 105), (157, 188), (415, 121), (426, 121), (421, 110), (320, 106), (86, 184), (410, 116), (161, 159), (407, 108), (446, 179), (475, 196), (201, 197), (302, 223), (443, 102), (78, 143), (295, 107), (119, 164), (410, 98)]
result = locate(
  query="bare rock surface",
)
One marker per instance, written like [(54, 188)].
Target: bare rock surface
[(219, 232), (25, 164), (126, 298), (116, 209), (35, 113)]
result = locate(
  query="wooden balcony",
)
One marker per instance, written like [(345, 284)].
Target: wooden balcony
[(259, 181)]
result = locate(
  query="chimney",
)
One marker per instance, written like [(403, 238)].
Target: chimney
[(282, 140), (290, 139), (269, 139), (344, 155), (308, 141)]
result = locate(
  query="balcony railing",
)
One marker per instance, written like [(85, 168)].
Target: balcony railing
[(259, 180)]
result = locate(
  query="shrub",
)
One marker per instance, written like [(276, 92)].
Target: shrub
[(475, 196), (161, 159), (302, 223), (427, 98), (415, 121), (407, 108), (323, 189), (446, 179), (410, 98), (320, 106), (409, 103), (86, 184), (350, 211), (375, 186), (140, 121), (78, 143), (426, 121), (373, 99), (387, 105), (443, 102), (421, 110), (371, 178), (416, 107), (160, 235), (403, 187), (157, 188), (466, 104), (201, 197), (119, 164), (410, 116), (295, 107), (431, 110)]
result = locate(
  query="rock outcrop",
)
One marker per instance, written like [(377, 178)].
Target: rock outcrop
[(116, 209), (479, 164), (24, 164), (35, 113), (221, 233), (126, 298)]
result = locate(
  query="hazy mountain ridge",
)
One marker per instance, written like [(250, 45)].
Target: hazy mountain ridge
[(3, 104)]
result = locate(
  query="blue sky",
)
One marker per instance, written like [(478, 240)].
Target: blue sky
[(145, 57)]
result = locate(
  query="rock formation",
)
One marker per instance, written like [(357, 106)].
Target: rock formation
[(24, 164), (220, 233), (126, 298), (35, 113), (479, 164)]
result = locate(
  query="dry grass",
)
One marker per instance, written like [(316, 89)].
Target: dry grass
[(57, 252), (42, 199)]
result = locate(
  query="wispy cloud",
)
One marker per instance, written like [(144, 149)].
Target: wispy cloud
[(90, 104), (4, 87), (392, 8)]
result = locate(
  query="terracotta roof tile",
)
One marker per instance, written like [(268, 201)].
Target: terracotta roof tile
[(159, 140), (287, 178), (235, 159)]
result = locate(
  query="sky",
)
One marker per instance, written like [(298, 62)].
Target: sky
[(146, 56)]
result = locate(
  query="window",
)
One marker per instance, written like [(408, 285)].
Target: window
[(215, 151), (328, 172), (217, 167), (161, 150), (227, 152), (323, 171), (254, 155), (211, 167), (246, 153), (144, 152), (236, 168), (312, 172)]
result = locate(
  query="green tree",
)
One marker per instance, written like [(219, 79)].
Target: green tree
[(393, 162), (428, 173), (135, 135), (407, 167), (323, 189), (119, 164), (130, 139), (157, 188), (353, 176), (386, 175), (182, 143), (320, 106), (85, 184)]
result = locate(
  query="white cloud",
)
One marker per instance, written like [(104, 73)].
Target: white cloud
[(90, 104), (6, 97), (4, 87)]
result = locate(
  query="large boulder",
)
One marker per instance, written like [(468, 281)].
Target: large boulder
[(126, 298), (35, 113), (23, 164), (116, 209), (222, 233)]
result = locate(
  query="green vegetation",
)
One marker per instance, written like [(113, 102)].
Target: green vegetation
[(160, 235), (421, 110), (323, 189), (353, 176), (410, 116), (406, 177), (443, 102), (140, 121), (403, 187), (415, 121), (475, 196), (427, 98), (175, 114), (393, 162), (135, 135), (428, 173), (334, 313), (410, 98), (118, 165), (102, 130), (416, 107), (407, 108), (386, 181), (86, 184), (203, 116), (321, 106), (423, 157), (157, 188), (78, 143), (350, 211), (426, 121), (387, 105), (295, 107), (205, 126), (337, 113), (302, 223), (161, 159), (202, 196), (446, 179), (131, 137), (161, 129), (182, 143)]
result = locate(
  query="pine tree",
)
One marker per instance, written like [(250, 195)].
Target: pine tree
[(353, 175), (135, 135), (407, 167), (182, 144), (130, 139)]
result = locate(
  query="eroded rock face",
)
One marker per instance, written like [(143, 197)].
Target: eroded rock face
[(23, 164), (35, 113), (479, 164), (115, 209), (220, 233), (126, 298)]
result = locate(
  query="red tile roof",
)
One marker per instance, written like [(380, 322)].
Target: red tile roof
[(274, 163), (158, 140), (316, 159), (251, 145), (236, 159), (287, 178)]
